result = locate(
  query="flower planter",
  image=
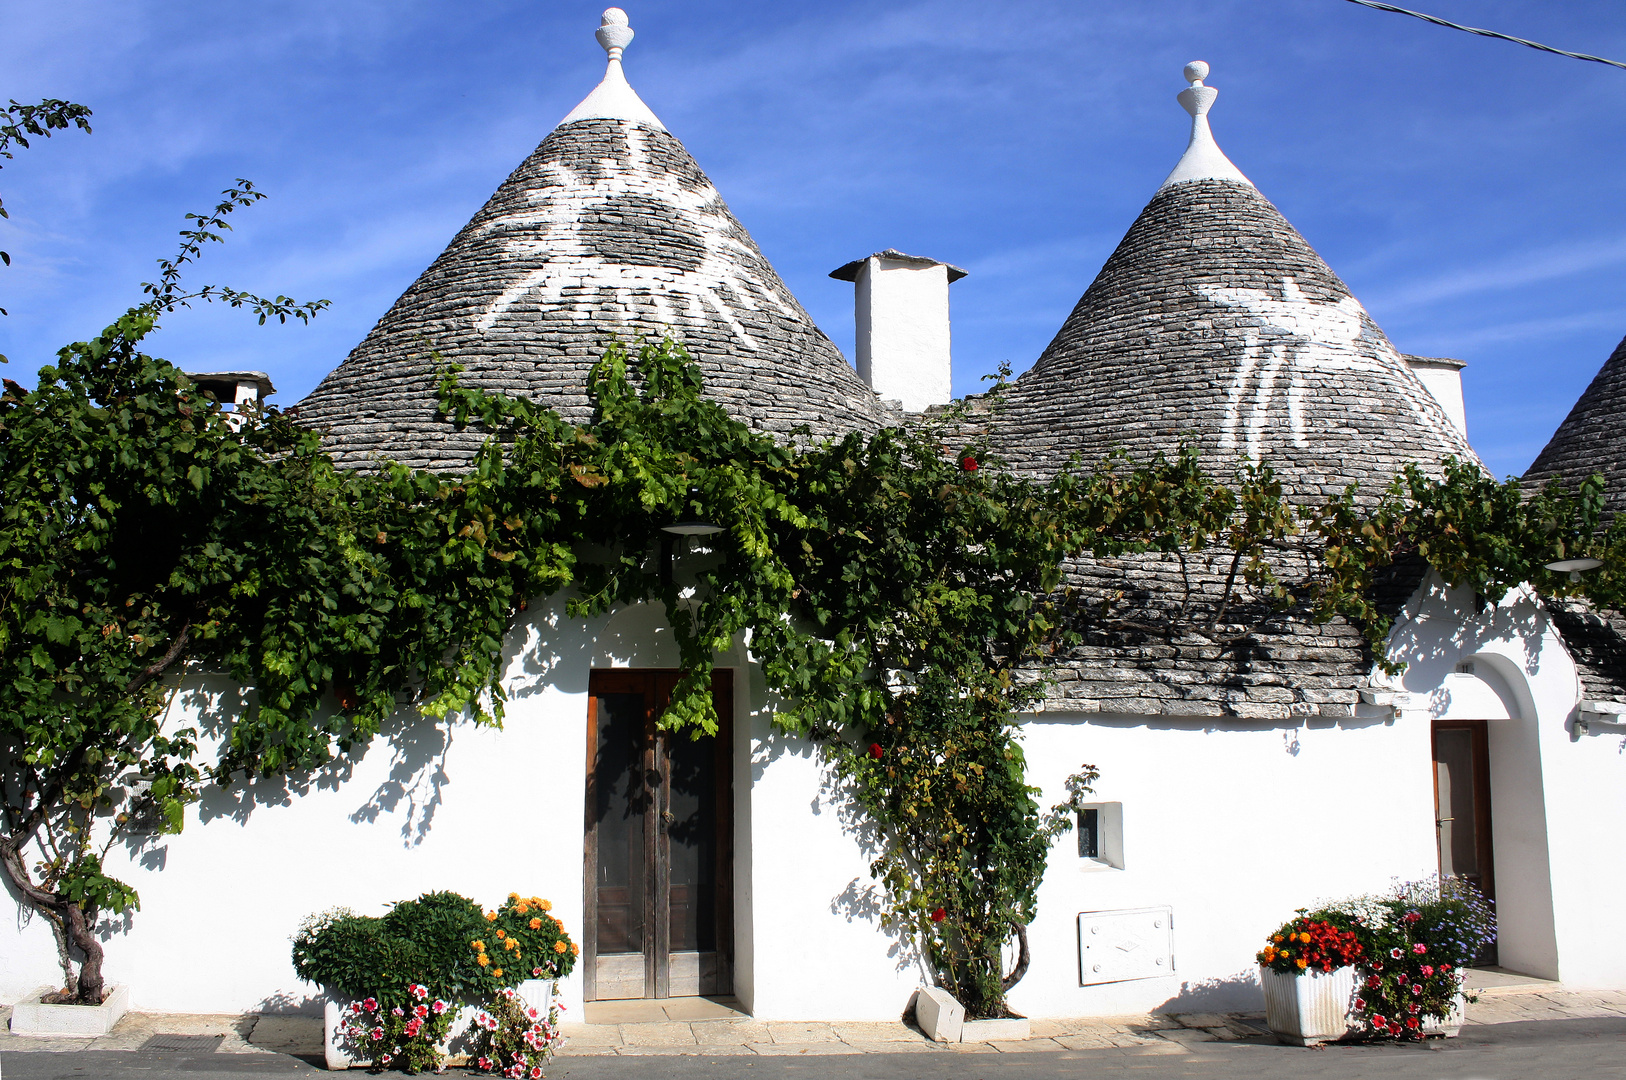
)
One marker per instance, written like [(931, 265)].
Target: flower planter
[(1310, 1008), (1451, 1026), (538, 992), (30, 1017)]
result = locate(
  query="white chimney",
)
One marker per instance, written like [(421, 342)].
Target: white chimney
[(901, 307), (1443, 377)]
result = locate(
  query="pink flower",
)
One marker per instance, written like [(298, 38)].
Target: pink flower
[(413, 1027), (439, 1006), (1419, 948), (355, 1007), (398, 1011), (1414, 1008), (419, 992), (1416, 989), (536, 1072), (378, 1033), (532, 1013), (485, 1063), (1445, 967), (386, 1059), (1427, 971), (1395, 954), (1380, 1022), (370, 1004), (1372, 982), (420, 1011), (1413, 917), (536, 972), (1402, 979)]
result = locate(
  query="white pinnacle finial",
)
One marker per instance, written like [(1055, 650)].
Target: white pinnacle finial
[(614, 98), (613, 32), (1203, 159)]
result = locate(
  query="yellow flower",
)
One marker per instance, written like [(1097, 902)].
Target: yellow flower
[(478, 946), (559, 946), (482, 960), (513, 896), (536, 924)]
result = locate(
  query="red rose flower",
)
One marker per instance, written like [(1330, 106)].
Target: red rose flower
[(969, 464), (939, 915), (1411, 1021), (875, 751)]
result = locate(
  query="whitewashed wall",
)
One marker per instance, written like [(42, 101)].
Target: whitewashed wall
[(1233, 824)]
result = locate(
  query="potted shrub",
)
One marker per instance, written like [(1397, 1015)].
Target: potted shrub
[(1424, 936), (1308, 972), (1387, 965), (437, 977)]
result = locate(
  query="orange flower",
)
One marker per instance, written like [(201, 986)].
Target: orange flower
[(522, 908), (482, 960), (559, 946), (491, 916), (501, 934), (544, 905), (1277, 939), (496, 973), (536, 924), (478, 946), (575, 949), (1302, 963), (1305, 938), (513, 896)]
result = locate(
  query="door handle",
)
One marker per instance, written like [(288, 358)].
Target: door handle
[(667, 818)]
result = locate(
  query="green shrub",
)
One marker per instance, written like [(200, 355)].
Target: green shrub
[(441, 941)]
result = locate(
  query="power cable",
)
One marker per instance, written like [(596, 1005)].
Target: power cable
[(1486, 33)]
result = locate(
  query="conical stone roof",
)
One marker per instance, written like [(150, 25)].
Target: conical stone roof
[(1215, 323), (1592, 438), (608, 228)]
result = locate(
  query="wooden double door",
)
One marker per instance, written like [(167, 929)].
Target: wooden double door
[(659, 859)]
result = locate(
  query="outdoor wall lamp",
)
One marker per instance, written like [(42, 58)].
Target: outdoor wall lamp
[(687, 529), (1574, 566)]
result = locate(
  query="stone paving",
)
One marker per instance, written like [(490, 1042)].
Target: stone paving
[(715, 1029)]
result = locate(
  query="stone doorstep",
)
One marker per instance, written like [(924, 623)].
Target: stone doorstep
[(30, 1017)]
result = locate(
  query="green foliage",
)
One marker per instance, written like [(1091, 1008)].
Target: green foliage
[(1477, 532), (18, 121), (441, 941)]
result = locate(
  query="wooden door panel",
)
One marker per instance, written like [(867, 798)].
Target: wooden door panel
[(659, 846)]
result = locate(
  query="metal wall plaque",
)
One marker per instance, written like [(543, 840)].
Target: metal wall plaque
[(1131, 943)]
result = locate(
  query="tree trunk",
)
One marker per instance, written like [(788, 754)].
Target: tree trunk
[(82, 929), (1022, 957), (64, 954)]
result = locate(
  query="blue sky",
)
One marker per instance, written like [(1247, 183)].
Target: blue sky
[(1471, 192)]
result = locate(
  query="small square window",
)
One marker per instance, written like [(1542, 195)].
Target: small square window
[(1101, 836)]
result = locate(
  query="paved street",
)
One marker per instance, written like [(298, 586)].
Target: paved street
[(1520, 1029), (1594, 1049)]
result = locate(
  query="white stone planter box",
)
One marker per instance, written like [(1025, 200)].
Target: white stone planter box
[(30, 1017), (1009, 1029), (538, 992), (1451, 1026), (1310, 1008)]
